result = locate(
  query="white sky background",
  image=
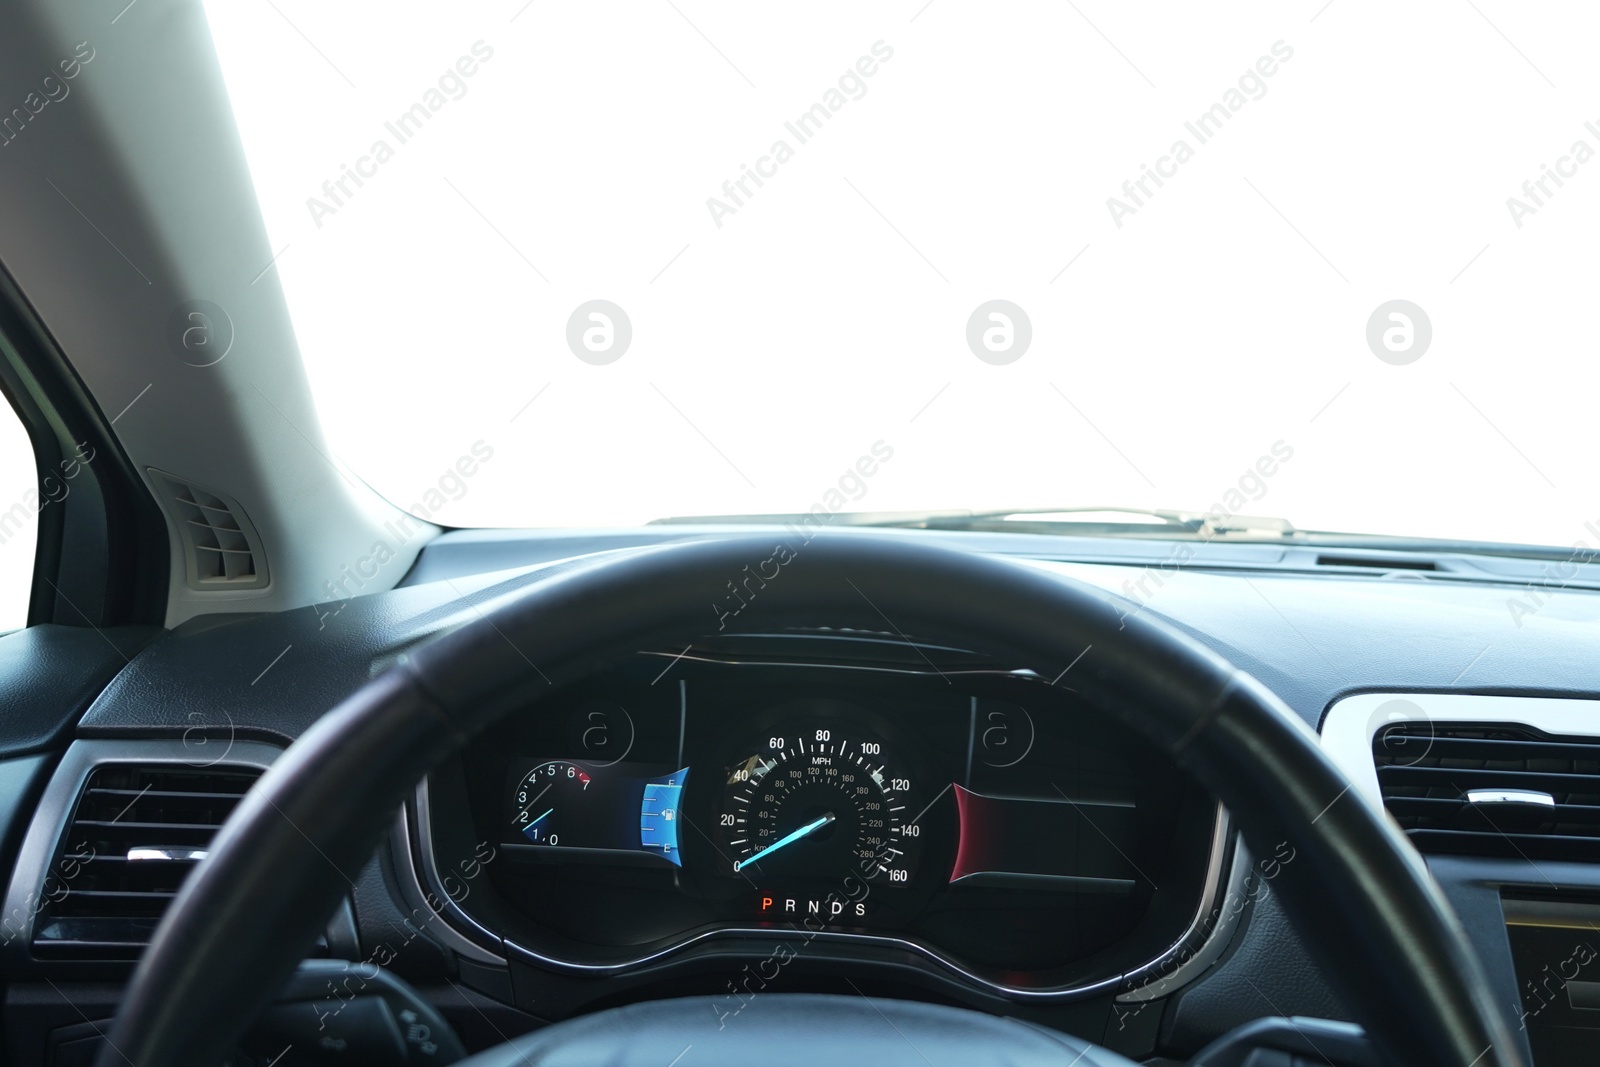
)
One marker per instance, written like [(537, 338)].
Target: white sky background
[(830, 311), (19, 498)]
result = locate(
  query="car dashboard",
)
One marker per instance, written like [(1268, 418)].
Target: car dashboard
[(829, 810)]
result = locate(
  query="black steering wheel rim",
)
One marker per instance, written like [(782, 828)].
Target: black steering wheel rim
[(292, 848)]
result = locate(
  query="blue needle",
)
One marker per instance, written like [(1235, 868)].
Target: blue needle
[(810, 827)]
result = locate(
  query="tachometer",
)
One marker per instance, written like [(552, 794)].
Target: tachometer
[(819, 803), (548, 796)]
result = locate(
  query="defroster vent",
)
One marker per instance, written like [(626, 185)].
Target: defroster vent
[(221, 548)]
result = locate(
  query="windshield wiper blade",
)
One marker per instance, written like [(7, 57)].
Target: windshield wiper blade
[(1118, 521), (1087, 516), (1081, 521), (784, 518), (1132, 523)]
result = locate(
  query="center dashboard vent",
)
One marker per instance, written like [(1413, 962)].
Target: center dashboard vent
[(1502, 790), (136, 834)]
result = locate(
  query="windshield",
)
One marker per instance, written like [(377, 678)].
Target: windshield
[(557, 264)]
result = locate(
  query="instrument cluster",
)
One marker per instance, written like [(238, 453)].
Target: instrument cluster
[(980, 819)]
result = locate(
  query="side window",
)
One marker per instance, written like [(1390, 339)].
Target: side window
[(20, 504)]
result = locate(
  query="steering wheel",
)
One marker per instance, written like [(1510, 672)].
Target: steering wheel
[(1357, 892)]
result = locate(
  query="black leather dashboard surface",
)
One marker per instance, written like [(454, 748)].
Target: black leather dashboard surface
[(1309, 638)]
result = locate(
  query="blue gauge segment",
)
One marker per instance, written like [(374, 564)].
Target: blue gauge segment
[(658, 815)]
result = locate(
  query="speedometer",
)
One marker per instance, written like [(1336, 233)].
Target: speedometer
[(819, 803)]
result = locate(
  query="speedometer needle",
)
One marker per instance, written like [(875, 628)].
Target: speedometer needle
[(788, 839)]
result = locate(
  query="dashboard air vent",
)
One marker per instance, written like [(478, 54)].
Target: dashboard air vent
[(1492, 790), (221, 548), (136, 834)]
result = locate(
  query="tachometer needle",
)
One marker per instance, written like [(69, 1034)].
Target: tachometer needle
[(531, 830), (788, 839)]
